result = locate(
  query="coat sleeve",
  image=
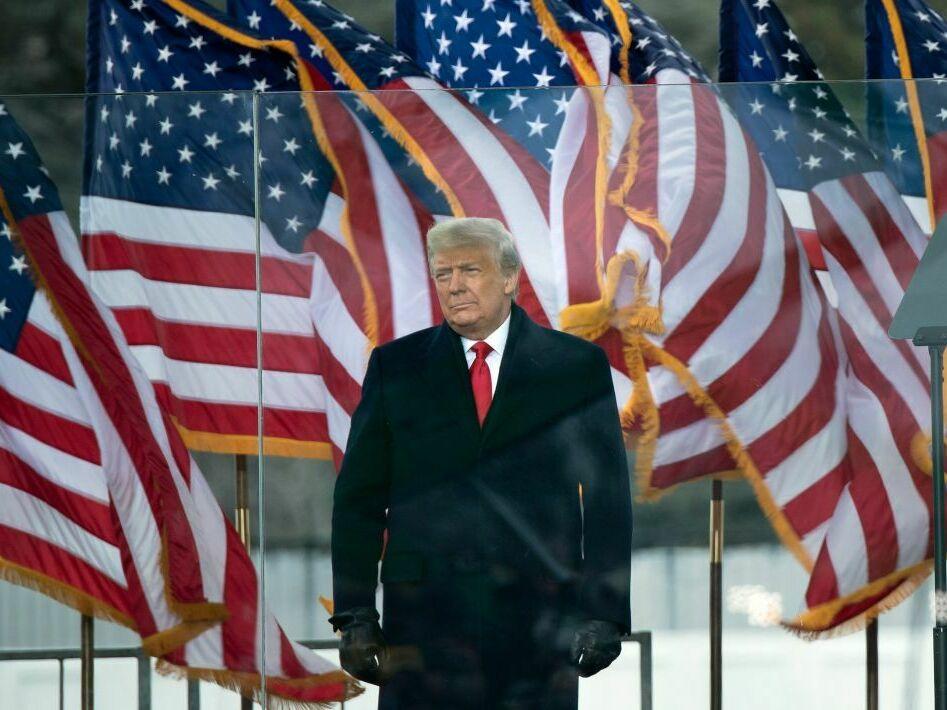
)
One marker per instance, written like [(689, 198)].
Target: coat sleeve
[(605, 581), (361, 498)]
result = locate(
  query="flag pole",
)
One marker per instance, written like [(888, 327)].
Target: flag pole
[(937, 474), (716, 595), (871, 664), (87, 689), (242, 523)]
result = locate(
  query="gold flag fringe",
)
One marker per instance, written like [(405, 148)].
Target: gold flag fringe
[(811, 624), (249, 685)]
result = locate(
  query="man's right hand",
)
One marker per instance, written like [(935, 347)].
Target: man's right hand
[(362, 649)]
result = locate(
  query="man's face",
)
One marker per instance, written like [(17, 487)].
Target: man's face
[(474, 294)]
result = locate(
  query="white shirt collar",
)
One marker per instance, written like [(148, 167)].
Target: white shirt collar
[(496, 339)]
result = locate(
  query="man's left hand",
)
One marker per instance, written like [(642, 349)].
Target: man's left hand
[(595, 645)]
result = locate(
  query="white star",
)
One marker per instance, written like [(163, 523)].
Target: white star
[(181, 21), (179, 82), (151, 26), (434, 67), (516, 100), (497, 74), (253, 20), (459, 70), (130, 119), (536, 126), (229, 98), (4, 308), (756, 107), (474, 96), (756, 59), (104, 113), (137, 72), (210, 182), (791, 36), (897, 153), (543, 79), (245, 127), (932, 46), (290, 146), (942, 114), (523, 53), (151, 100), (363, 47), (387, 72), (126, 45), (761, 4), (138, 5), (294, 224), (211, 68), (480, 48), (109, 65), (165, 54), (428, 18), (126, 169), (261, 85), (185, 154), (232, 172), (506, 27), (315, 50), (196, 110), (145, 147), (562, 103), (790, 56), (6, 231), (488, 5), (33, 193), (523, 5), (849, 131), (813, 162), (308, 179), (643, 42), (901, 105), (649, 70), (599, 14), (245, 60), (341, 24), (114, 141), (848, 154), (819, 113), (762, 29), (780, 134), (463, 21), (443, 44), (275, 191), (273, 114), (820, 93), (164, 176), (922, 16), (789, 77), (18, 265), (493, 117), (211, 140), (15, 150), (113, 18), (816, 135)]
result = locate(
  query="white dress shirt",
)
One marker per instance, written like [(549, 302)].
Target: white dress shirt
[(497, 341)]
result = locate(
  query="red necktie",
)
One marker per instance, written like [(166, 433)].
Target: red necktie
[(480, 380)]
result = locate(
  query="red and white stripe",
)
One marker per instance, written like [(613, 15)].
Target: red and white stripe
[(161, 504), (880, 532), (741, 314)]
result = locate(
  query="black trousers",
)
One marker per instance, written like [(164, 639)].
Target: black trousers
[(477, 642)]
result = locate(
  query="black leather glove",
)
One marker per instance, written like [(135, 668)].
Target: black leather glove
[(362, 649), (595, 645)]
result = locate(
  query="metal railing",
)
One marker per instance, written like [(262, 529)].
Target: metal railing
[(61, 655)]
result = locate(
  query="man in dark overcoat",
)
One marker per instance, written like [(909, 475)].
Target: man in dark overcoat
[(489, 448)]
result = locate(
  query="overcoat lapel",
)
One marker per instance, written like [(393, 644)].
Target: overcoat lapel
[(446, 373)]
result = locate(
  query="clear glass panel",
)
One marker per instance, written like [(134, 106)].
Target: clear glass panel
[(758, 340)]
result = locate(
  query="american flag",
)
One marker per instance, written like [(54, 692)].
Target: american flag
[(743, 373), (833, 184), (169, 233), (476, 167), (907, 120), (102, 506)]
